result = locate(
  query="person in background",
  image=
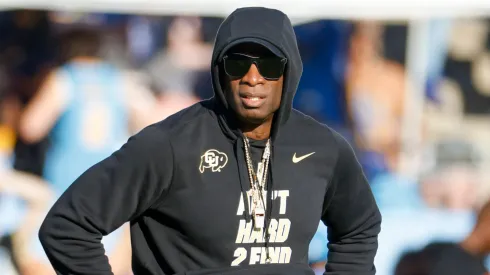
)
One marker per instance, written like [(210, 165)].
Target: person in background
[(24, 197), (174, 71), (439, 207), (454, 181), (24, 200), (88, 108), (452, 258), (375, 89)]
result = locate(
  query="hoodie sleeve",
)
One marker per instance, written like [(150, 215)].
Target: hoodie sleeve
[(110, 193), (351, 216)]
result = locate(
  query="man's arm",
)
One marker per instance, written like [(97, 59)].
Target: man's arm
[(44, 109), (116, 190), (352, 217), (31, 188)]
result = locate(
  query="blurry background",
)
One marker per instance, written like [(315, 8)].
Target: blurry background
[(409, 88)]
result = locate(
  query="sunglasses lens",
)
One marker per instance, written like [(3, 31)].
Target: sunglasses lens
[(237, 66), (271, 68)]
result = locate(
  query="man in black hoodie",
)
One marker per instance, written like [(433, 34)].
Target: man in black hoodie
[(232, 185)]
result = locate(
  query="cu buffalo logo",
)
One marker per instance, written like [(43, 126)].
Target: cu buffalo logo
[(214, 160)]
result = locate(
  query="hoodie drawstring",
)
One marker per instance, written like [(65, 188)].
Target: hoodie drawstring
[(241, 174)]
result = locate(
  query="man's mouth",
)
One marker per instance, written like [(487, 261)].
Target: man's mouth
[(251, 101), (253, 98)]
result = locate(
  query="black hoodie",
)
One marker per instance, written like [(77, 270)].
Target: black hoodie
[(182, 184)]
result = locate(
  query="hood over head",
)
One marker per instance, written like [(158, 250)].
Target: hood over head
[(272, 29)]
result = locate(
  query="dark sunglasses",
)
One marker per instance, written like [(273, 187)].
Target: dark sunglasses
[(237, 65)]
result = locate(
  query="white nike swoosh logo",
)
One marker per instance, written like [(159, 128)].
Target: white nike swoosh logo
[(296, 159)]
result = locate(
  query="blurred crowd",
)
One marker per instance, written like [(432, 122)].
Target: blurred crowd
[(74, 87)]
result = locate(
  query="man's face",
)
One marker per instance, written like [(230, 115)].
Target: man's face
[(253, 90)]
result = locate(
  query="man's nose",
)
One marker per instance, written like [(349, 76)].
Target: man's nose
[(253, 77)]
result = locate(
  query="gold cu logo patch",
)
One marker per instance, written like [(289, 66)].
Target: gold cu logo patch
[(214, 160)]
